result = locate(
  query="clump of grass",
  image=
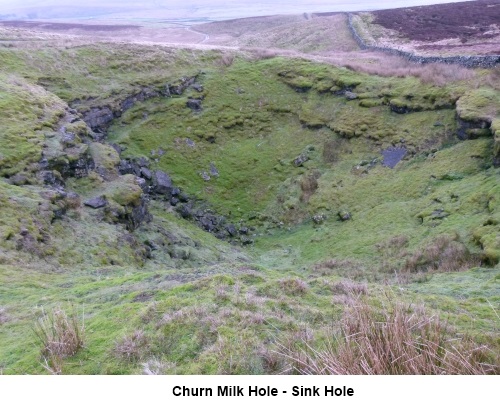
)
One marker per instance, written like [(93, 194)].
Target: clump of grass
[(350, 288), (399, 341), (445, 253), (438, 74), (226, 60), (61, 336), (132, 347), (294, 286)]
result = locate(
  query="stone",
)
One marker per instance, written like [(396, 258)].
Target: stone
[(350, 95), (213, 170), (51, 178), (162, 183), (96, 202), (231, 230), (146, 173), (344, 215), (194, 104), (198, 87), (185, 211), (300, 160)]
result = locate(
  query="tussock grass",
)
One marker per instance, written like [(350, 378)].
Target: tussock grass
[(437, 74), (401, 340), (61, 336), (132, 347), (444, 253)]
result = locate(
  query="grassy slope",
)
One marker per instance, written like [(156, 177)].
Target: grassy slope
[(196, 315)]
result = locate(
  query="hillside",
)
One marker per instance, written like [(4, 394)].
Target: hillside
[(170, 210), (466, 28)]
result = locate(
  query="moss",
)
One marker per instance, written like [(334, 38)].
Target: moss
[(104, 156), (481, 104), (124, 190)]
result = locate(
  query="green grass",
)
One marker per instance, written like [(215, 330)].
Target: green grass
[(172, 298)]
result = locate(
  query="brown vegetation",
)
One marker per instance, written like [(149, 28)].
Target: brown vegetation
[(61, 336), (438, 74), (468, 20), (401, 340), (444, 253), (131, 347)]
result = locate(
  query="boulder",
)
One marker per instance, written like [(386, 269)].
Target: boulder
[(194, 104), (344, 215), (350, 95), (300, 160), (96, 202), (162, 183)]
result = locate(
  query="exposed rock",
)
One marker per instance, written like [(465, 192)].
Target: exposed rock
[(472, 129), (205, 176), (190, 142), (344, 215), (194, 104), (350, 95), (70, 139), (146, 173), (96, 202), (198, 87), (143, 184), (231, 230), (143, 162), (300, 160), (318, 219), (99, 118), (51, 178), (138, 215), (162, 183), (213, 170)]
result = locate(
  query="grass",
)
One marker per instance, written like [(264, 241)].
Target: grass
[(170, 298), (401, 341), (61, 336)]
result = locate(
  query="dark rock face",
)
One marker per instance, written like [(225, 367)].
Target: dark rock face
[(162, 183), (99, 118), (392, 156), (51, 178), (96, 202), (194, 104), (472, 129), (138, 215), (399, 109)]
